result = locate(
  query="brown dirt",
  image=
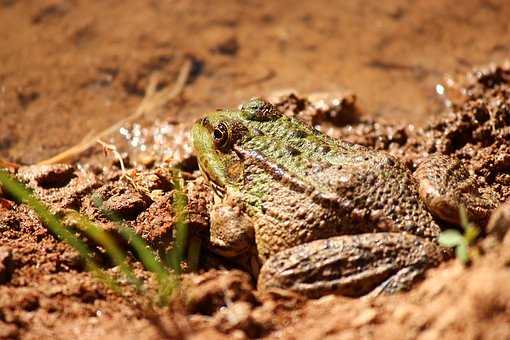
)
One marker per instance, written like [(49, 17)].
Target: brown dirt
[(72, 68)]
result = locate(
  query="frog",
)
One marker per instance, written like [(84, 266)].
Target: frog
[(316, 215)]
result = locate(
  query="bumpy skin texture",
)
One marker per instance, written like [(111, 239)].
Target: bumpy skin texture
[(444, 184), (290, 185), (351, 265)]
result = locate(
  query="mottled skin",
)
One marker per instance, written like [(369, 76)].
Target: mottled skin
[(444, 184), (324, 215)]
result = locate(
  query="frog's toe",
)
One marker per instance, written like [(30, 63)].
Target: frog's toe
[(351, 265), (445, 186), (403, 280)]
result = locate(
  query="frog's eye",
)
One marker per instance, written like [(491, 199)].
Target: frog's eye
[(220, 135)]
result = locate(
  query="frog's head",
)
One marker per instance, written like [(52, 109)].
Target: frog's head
[(216, 136)]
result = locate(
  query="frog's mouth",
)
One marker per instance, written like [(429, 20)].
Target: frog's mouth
[(218, 189)]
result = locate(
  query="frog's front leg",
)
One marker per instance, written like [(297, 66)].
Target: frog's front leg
[(444, 184), (351, 265), (231, 230)]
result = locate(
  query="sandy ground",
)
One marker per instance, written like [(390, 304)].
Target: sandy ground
[(69, 69)]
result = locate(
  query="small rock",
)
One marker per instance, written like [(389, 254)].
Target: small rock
[(235, 316), (122, 199), (156, 223), (199, 197), (243, 319), (206, 293)]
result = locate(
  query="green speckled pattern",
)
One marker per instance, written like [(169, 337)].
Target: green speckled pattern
[(310, 204), (302, 185)]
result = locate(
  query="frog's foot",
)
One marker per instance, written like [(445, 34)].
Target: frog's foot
[(351, 265), (401, 281), (231, 231), (445, 185)]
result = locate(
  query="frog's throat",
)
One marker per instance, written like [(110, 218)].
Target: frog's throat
[(218, 189)]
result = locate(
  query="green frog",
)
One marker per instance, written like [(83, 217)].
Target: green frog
[(322, 215)]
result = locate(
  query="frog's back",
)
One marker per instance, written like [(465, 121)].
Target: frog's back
[(296, 173)]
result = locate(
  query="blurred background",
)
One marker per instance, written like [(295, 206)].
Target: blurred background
[(70, 68)]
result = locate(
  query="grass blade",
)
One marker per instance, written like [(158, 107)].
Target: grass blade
[(103, 238), (180, 204), (23, 195), (144, 252)]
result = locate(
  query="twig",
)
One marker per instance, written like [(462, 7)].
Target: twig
[(112, 148), (8, 165), (130, 177), (152, 100)]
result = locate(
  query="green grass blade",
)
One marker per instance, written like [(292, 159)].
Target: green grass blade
[(471, 234), (167, 282), (194, 253), (180, 204), (462, 253), (144, 252), (23, 195), (103, 238)]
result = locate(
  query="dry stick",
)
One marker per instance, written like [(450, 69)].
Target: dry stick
[(151, 101), (8, 165), (112, 148), (125, 175)]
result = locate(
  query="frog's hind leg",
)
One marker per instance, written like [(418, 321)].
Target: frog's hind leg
[(351, 265), (400, 281), (444, 185)]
